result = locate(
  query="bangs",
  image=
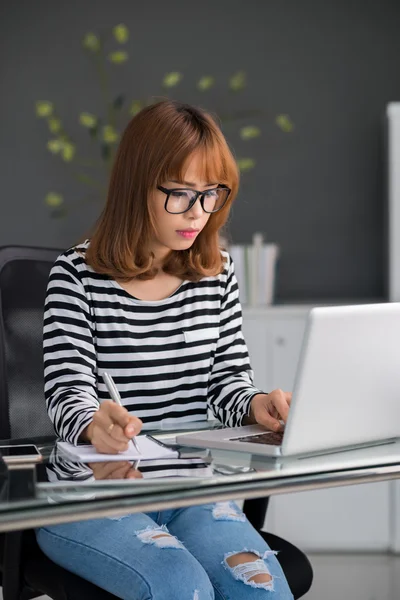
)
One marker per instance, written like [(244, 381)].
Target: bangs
[(217, 164)]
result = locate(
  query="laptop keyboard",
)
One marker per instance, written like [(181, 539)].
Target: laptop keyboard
[(271, 438)]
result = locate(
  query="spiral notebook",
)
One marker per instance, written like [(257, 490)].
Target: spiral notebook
[(150, 449)]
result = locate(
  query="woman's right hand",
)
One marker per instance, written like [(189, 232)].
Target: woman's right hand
[(115, 470), (112, 428)]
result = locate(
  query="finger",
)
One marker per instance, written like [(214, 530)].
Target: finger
[(119, 415), (103, 442), (264, 418), (288, 397), (116, 413), (112, 466), (133, 427), (102, 470), (278, 399), (117, 433), (134, 474), (107, 425), (101, 446), (121, 446), (120, 472)]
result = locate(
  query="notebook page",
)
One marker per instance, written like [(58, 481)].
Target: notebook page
[(150, 450)]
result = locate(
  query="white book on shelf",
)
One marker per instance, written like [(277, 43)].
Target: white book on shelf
[(251, 271), (255, 268), (262, 276), (271, 262), (256, 282), (267, 274), (393, 210)]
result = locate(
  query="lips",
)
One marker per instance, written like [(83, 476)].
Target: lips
[(188, 233)]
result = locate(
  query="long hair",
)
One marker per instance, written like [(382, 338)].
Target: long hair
[(154, 148)]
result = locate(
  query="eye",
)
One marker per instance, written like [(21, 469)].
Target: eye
[(179, 194), (211, 193)]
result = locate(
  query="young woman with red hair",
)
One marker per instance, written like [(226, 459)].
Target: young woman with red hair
[(153, 300)]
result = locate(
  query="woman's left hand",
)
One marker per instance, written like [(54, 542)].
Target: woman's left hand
[(270, 409)]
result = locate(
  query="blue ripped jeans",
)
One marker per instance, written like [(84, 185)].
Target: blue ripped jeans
[(184, 554)]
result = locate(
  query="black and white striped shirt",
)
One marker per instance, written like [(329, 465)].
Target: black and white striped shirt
[(170, 359)]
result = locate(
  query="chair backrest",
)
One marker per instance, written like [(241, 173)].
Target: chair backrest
[(24, 274)]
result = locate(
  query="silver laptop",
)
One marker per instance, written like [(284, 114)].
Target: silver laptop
[(346, 392)]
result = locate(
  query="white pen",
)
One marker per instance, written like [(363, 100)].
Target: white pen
[(114, 393)]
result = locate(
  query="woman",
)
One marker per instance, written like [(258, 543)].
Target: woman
[(153, 300)]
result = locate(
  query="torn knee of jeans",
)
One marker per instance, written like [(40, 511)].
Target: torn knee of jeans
[(159, 536), (250, 567), (227, 511)]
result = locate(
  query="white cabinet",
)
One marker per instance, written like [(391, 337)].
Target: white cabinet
[(286, 339), (255, 331), (351, 518), (274, 338), (395, 530)]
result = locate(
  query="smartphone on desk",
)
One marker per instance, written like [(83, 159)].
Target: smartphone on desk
[(22, 453)]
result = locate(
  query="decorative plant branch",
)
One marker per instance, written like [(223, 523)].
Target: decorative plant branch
[(105, 130)]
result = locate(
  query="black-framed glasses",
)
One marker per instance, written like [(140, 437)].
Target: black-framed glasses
[(180, 200)]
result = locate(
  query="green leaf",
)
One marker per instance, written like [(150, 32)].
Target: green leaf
[(55, 146), (109, 134), (246, 164), (172, 79), (44, 108), (91, 42), (250, 132), (284, 123), (68, 151), (87, 119), (238, 81), (118, 57), (54, 124), (205, 83), (53, 199), (121, 33), (118, 102), (135, 107)]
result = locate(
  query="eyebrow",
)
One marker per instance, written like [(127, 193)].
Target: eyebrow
[(190, 183)]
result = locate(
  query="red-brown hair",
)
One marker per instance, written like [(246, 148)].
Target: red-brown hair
[(154, 148)]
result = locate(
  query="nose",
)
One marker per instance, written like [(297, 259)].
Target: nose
[(196, 212)]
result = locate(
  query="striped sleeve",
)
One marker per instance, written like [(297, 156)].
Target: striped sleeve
[(69, 353), (231, 383)]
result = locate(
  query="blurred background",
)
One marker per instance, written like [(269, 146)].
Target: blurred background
[(301, 89), (312, 83)]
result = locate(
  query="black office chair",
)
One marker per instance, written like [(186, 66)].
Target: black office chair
[(25, 572)]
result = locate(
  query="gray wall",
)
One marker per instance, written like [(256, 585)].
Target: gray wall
[(318, 192)]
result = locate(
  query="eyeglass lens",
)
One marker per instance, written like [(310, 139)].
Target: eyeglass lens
[(180, 200)]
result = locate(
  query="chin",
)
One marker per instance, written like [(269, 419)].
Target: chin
[(182, 244)]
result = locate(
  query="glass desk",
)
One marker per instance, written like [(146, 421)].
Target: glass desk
[(60, 491)]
